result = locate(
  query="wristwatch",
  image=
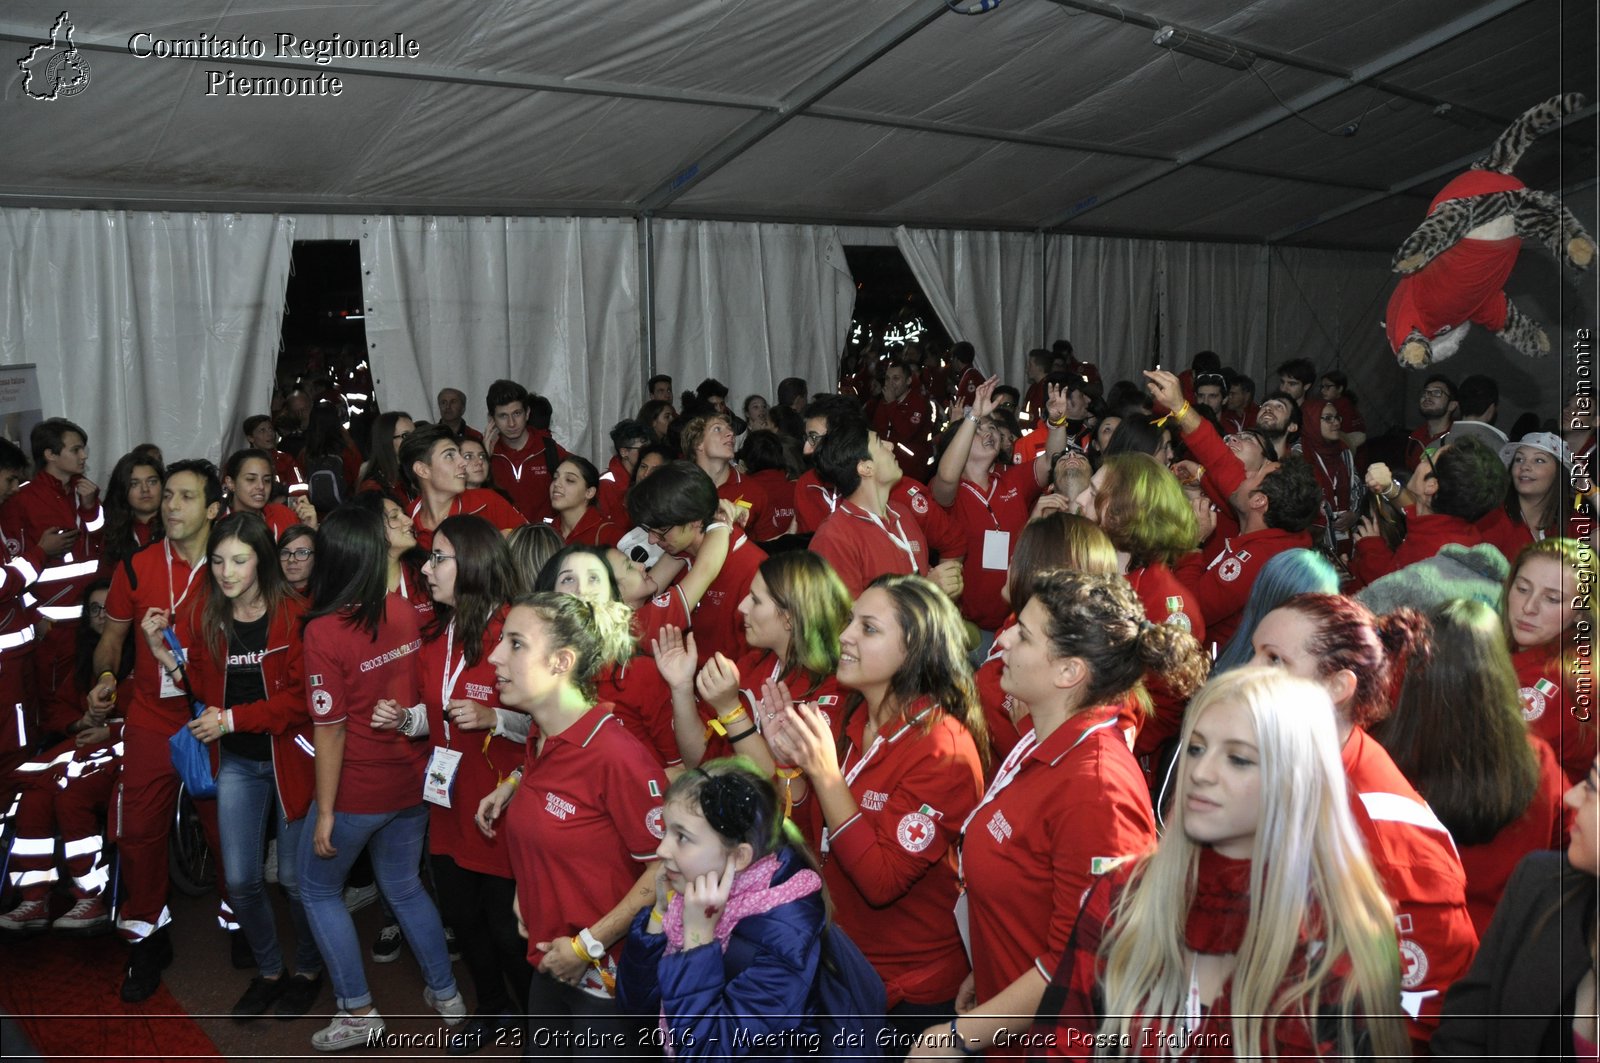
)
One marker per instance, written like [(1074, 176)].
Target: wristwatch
[(591, 944)]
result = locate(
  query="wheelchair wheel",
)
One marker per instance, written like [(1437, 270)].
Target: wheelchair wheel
[(189, 861)]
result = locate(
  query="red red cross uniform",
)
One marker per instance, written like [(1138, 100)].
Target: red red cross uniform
[(525, 474), (475, 500)]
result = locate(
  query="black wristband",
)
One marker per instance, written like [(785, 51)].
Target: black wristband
[(741, 736)]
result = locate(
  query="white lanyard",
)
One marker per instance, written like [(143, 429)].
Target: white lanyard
[(879, 743), (447, 681), (898, 536), (986, 499), (174, 602), (1007, 773), (1333, 484)]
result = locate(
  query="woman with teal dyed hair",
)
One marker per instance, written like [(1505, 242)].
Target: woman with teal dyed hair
[(1290, 573)]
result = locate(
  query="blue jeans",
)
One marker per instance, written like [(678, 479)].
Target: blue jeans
[(394, 840), (246, 794)]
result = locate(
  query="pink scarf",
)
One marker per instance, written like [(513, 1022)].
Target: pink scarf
[(752, 894)]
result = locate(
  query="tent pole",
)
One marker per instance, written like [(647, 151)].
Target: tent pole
[(645, 224), (1044, 297)]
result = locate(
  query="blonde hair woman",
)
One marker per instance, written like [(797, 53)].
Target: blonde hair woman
[(1206, 943)]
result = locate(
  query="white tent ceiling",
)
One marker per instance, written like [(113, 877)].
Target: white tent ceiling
[(1056, 115)]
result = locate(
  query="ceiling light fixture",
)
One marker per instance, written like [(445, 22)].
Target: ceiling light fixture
[(1204, 46)]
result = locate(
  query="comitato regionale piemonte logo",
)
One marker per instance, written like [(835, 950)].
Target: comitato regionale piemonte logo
[(55, 68)]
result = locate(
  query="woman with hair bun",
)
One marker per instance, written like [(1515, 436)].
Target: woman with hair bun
[(574, 486), (1258, 928), (583, 827), (1069, 797), (891, 791), (1493, 783), (1353, 655)]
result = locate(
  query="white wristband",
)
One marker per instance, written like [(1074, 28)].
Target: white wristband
[(717, 525)]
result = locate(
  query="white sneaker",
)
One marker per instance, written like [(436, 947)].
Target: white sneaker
[(358, 897), (87, 915), (453, 1010), (269, 868), (348, 1031), (29, 915)]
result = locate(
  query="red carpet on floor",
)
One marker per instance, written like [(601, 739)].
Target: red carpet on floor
[(63, 992)]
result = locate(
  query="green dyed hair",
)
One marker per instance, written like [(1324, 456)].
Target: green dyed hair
[(806, 588), (1143, 509)]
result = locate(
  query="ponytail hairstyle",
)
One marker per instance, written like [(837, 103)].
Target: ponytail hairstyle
[(570, 623), (613, 618), (586, 472), (216, 617), (936, 662), (1310, 880), (1347, 637), (805, 586), (1483, 777), (485, 581), (1099, 620), (743, 807)]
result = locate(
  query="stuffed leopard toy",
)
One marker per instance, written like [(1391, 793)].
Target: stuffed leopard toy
[(1454, 267)]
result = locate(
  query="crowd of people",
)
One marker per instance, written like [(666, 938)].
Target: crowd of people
[(926, 716)]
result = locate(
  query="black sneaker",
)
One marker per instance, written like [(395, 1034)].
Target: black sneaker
[(262, 994), (243, 956), (387, 948), (299, 993), (146, 960)]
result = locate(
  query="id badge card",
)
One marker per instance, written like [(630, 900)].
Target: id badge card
[(964, 923), (996, 549), (440, 777), (169, 686)]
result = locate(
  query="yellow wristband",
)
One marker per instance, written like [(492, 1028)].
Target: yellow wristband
[(719, 724), (1062, 423), (577, 946)]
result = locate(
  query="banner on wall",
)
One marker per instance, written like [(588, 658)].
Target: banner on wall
[(20, 407)]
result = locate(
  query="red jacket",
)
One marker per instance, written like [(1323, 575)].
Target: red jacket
[(1224, 472), (1543, 825), (910, 424), (1424, 537), (37, 506), (1222, 587), (614, 484), (1510, 535), (1543, 692), (284, 715)]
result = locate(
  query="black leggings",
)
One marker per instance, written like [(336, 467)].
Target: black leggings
[(478, 908)]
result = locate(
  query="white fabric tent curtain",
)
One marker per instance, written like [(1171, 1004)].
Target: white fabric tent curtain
[(985, 288), (1328, 306), (749, 304), (552, 303), (1103, 294), (1214, 297), (146, 327)]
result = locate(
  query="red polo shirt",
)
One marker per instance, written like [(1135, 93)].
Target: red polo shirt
[(1001, 506), (585, 818), (485, 760), (757, 668), (891, 869), (998, 706), (862, 546), (477, 500), (1544, 705), (592, 529), (718, 627), (1028, 851), (1424, 538), (165, 581), (779, 490), (668, 607), (525, 474), (1233, 422), (1419, 440), (1159, 591), (614, 484), (641, 699), (1417, 863), (347, 673), (1543, 825), (1221, 588), (814, 501)]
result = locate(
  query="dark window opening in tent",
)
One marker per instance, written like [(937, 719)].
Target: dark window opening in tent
[(891, 313), (323, 352)]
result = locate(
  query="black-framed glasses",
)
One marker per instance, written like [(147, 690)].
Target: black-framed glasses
[(304, 553), (440, 558), (94, 609)]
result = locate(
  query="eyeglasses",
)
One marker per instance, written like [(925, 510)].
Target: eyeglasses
[(1331, 418), (438, 558), (305, 553), (1435, 393), (94, 609), (813, 438)]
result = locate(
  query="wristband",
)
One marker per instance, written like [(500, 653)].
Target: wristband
[(1394, 490), (222, 723), (959, 1041), (108, 672), (717, 525), (741, 736), (231, 727), (719, 724), (970, 416), (1062, 423), (577, 946)]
